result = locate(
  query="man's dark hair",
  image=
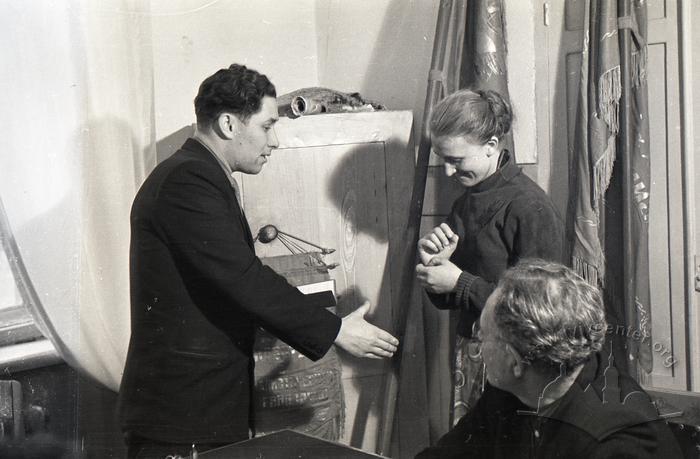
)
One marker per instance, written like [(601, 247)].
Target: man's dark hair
[(237, 89)]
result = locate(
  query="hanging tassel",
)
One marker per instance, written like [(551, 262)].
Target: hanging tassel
[(594, 275), (602, 172), (609, 93)]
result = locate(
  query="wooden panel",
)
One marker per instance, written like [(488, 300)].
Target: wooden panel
[(520, 21), (690, 38), (659, 245), (574, 11), (563, 44), (656, 9), (334, 196), (666, 241), (344, 182), (343, 128)]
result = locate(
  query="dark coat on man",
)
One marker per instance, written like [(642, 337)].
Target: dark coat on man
[(604, 415), (198, 292)]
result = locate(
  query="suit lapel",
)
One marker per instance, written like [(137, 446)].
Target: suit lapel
[(244, 221), (234, 194), (246, 226)]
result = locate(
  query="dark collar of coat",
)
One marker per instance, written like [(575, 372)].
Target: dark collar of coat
[(195, 146), (602, 401)]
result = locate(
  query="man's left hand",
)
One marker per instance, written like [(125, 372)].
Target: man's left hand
[(440, 276)]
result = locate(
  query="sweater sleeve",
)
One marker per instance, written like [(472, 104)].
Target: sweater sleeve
[(471, 291)]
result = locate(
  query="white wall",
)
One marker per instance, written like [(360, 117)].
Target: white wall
[(381, 48), (520, 41), (194, 38)]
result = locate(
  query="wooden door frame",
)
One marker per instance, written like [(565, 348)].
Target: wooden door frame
[(687, 401), (691, 194)]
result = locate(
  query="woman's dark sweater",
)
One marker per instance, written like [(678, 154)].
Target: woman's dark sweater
[(504, 218)]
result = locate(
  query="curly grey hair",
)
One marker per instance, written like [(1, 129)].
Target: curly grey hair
[(549, 314)]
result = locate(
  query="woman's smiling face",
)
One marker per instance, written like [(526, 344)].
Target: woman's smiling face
[(467, 161)]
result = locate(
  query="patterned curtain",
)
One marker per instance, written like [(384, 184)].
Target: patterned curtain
[(611, 193), (634, 132)]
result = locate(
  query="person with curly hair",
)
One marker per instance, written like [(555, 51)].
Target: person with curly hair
[(551, 392)]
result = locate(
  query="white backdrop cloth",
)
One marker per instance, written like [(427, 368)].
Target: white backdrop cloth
[(77, 117)]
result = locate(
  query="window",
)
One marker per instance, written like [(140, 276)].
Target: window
[(16, 322), (22, 345)]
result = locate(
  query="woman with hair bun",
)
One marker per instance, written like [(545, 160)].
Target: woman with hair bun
[(501, 217)]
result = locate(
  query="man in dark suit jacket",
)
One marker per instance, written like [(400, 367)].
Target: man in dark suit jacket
[(198, 291)]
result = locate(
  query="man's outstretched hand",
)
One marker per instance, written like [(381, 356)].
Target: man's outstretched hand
[(362, 339)]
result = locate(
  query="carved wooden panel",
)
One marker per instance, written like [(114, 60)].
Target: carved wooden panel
[(344, 182)]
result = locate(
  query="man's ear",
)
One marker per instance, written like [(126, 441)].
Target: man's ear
[(515, 362), (492, 145), (226, 125)]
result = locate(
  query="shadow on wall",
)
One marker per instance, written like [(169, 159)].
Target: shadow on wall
[(359, 216), (168, 145), (344, 189), (397, 73)]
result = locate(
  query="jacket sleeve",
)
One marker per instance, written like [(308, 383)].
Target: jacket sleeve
[(207, 239)]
